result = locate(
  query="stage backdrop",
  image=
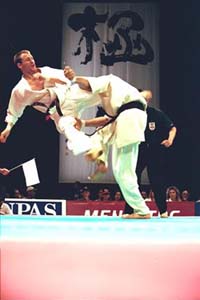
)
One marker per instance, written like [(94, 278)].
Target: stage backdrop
[(103, 38)]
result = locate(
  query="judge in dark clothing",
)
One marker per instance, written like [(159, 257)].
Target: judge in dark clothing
[(159, 134)]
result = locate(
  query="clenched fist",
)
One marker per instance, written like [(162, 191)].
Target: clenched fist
[(69, 73)]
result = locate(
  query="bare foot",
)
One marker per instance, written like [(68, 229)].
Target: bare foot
[(93, 154), (136, 216)]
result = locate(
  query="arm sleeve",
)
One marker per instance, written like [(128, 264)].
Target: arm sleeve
[(15, 108), (56, 73), (166, 121), (99, 84)]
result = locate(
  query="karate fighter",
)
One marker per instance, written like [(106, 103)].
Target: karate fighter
[(127, 106), (46, 89)]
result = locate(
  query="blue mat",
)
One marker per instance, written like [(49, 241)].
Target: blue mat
[(107, 229)]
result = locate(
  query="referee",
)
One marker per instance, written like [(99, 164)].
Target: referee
[(159, 135)]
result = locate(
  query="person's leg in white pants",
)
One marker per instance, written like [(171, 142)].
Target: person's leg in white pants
[(124, 162)]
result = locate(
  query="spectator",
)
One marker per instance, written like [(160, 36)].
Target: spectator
[(185, 195), (17, 194), (85, 194), (31, 192), (99, 195), (118, 196), (5, 208), (144, 195), (151, 195), (173, 194), (106, 195)]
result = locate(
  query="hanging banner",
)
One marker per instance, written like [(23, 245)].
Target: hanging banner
[(104, 38)]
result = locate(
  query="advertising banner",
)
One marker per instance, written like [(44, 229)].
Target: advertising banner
[(91, 208), (37, 206), (114, 208)]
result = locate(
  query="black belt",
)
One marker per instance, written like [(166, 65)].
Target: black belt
[(57, 104), (129, 105), (54, 103)]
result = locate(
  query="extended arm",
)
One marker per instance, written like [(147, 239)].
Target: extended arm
[(14, 112), (95, 122), (6, 132), (172, 134)]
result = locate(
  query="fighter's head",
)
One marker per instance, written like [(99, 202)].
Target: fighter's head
[(25, 61), (147, 94)]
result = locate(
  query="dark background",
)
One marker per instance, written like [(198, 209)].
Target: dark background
[(37, 25)]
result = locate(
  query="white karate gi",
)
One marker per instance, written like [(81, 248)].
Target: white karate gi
[(111, 92), (22, 96), (127, 133)]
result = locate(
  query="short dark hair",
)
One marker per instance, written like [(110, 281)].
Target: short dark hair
[(17, 57)]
